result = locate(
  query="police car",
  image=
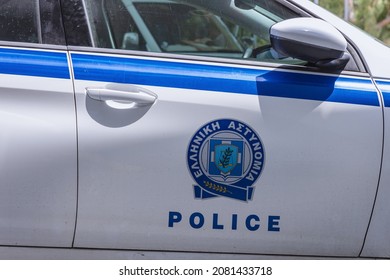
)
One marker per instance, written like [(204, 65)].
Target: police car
[(237, 128)]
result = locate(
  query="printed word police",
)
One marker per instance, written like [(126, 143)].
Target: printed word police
[(251, 222)]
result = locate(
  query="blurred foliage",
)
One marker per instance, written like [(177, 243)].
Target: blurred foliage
[(335, 6), (372, 16)]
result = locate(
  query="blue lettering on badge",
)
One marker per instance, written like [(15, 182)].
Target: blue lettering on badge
[(225, 158)]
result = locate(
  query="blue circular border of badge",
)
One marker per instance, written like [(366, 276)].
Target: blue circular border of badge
[(207, 187)]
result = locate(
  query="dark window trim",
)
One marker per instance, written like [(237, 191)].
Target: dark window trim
[(75, 31), (39, 20), (51, 26)]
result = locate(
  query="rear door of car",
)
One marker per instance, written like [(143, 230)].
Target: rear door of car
[(210, 152), (38, 152)]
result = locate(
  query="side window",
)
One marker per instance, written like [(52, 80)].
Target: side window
[(19, 21), (220, 28), (232, 29), (31, 21), (186, 28), (123, 31)]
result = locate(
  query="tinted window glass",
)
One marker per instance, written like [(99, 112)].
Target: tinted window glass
[(186, 28), (223, 28), (124, 32), (31, 21), (220, 28), (19, 21)]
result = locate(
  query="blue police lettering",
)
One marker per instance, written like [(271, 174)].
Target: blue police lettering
[(215, 222), (273, 223), (249, 225), (250, 222), (196, 220), (234, 221), (174, 217)]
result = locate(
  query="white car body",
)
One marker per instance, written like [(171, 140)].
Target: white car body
[(304, 155)]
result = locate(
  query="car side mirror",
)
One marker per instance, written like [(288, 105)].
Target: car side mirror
[(130, 41), (312, 40)]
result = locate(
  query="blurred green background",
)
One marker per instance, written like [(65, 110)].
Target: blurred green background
[(372, 16)]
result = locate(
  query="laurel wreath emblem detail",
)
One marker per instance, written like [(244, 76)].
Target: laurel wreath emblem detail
[(224, 161)]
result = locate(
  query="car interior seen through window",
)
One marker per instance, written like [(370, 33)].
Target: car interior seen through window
[(230, 29)]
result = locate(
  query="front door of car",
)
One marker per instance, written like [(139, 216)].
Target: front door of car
[(190, 153)]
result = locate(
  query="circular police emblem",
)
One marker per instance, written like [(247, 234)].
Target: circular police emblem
[(225, 158)]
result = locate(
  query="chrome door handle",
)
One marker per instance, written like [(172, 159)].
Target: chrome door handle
[(138, 96)]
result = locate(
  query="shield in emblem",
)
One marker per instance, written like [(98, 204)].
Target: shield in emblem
[(225, 157)]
